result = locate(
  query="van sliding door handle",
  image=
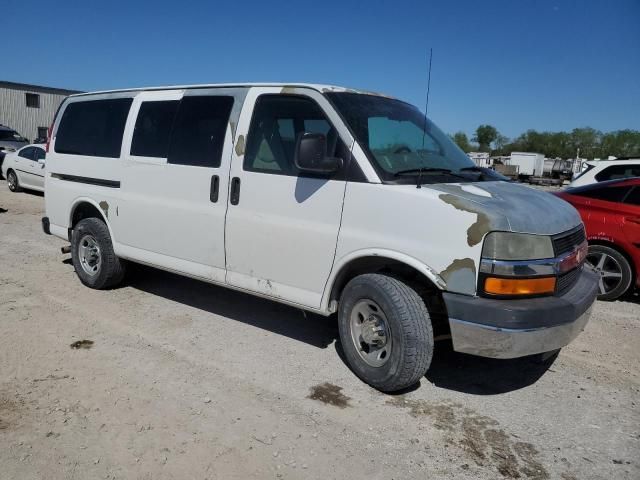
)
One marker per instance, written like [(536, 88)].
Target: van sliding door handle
[(235, 191), (215, 188)]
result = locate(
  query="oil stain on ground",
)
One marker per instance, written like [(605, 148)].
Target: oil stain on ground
[(480, 437), (329, 394), (86, 344), (9, 411)]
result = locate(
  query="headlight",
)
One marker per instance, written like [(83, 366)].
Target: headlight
[(516, 246), (517, 264)]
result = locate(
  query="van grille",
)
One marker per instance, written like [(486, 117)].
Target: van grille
[(568, 241)]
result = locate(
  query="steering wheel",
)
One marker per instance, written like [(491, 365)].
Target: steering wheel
[(402, 149)]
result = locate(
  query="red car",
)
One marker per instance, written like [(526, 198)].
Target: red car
[(611, 214)]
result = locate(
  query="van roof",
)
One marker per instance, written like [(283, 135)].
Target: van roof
[(315, 86)]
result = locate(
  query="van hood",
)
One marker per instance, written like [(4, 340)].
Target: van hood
[(509, 207)]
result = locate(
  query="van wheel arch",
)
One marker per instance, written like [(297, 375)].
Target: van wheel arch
[(85, 209), (423, 285)]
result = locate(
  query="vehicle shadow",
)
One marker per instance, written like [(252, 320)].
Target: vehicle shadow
[(312, 329), (483, 376)]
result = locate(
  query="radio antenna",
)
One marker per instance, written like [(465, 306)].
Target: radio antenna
[(426, 106)]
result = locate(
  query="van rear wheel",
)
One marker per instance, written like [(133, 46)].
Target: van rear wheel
[(385, 332), (93, 257)]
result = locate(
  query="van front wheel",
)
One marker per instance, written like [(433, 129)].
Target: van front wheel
[(385, 332), (93, 257)]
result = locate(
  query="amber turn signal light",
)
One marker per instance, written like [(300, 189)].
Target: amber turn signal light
[(521, 286)]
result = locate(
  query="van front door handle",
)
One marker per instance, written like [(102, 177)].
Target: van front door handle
[(215, 188), (235, 191)]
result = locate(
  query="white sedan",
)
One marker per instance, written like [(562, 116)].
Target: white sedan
[(25, 168)]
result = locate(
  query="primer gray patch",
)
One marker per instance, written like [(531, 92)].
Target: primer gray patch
[(240, 146), (460, 276), (105, 208), (482, 225)]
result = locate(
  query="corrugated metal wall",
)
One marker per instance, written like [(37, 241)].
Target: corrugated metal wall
[(25, 120)]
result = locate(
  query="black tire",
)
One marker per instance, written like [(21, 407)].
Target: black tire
[(618, 262), (409, 327), (12, 181), (110, 270)]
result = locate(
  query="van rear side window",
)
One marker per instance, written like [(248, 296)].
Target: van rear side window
[(198, 131), (93, 128), (153, 128)]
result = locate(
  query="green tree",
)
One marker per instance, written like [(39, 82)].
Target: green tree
[(461, 139), (499, 145), (485, 136), (587, 140), (621, 143)]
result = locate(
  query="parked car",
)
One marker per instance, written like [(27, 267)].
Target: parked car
[(327, 199), (25, 168), (611, 213), (603, 170), (10, 140)]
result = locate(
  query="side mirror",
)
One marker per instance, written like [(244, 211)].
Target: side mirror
[(311, 155), (41, 161)]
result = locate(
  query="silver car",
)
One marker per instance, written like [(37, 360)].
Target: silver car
[(10, 140)]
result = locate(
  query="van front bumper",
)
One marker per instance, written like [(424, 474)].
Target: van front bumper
[(517, 328)]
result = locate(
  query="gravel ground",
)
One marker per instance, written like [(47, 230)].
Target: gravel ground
[(173, 378)]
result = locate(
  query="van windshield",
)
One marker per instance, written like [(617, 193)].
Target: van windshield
[(399, 143)]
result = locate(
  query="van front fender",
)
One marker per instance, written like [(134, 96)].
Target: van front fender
[(343, 264)]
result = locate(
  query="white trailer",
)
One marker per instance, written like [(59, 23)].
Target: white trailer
[(529, 164)]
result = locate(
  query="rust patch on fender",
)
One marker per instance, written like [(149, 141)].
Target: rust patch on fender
[(105, 208), (240, 146), (482, 225)]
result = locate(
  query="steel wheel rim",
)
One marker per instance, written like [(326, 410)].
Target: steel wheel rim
[(370, 333), (608, 268), (12, 180), (89, 255)]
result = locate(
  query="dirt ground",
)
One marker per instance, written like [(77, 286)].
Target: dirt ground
[(178, 379)]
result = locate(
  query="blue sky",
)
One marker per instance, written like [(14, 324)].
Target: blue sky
[(515, 64)]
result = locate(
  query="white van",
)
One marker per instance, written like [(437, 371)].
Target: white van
[(328, 199)]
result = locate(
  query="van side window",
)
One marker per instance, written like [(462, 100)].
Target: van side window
[(199, 130), (278, 121), (93, 128), (153, 129)]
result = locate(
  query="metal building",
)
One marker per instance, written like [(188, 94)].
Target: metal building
[(29, 109)]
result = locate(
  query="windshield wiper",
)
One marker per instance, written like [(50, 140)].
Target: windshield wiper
[(420, 171), (412, 171)]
